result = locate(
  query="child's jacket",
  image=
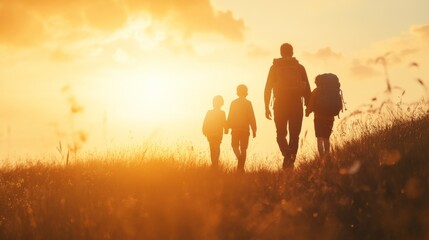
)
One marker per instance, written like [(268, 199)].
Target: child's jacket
[(241, 116), (214, 123)]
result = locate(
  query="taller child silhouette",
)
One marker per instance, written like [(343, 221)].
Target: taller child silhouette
[(240, 117)]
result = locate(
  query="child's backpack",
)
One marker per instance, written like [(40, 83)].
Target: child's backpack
[(329, 99)]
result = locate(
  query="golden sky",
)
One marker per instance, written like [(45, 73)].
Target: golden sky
[(118, 72)]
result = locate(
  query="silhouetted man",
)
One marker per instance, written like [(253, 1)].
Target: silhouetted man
[(288, 81)]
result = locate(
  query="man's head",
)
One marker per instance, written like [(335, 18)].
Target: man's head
[(286, 50), (217, 101), (242, 90)]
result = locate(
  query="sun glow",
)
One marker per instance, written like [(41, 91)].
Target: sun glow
[(157, 97), (147, 33), (141, 98)]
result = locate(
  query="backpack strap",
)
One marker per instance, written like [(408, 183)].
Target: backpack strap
[(343, 108)]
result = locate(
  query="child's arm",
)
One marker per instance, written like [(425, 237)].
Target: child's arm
[(225, 128), (228, 120), (205, 124), (310, 105)]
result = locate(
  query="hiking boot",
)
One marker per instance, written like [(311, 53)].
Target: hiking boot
[(287, 164), (240, 164), (293, 158)]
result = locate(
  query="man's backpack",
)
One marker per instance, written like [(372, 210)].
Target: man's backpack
[(329, 99), (289, 80)]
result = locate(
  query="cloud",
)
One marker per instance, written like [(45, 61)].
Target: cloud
[(30, 23), (192, 16), (257, 51), (105, 15), (422, 32), (408, 51), (324, 54), (19, 27), (121, 56), (59, 55), (363, 70), (405, 46)]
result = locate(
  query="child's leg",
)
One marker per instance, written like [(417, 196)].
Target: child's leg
[(326, 142), (320, 146), (216, 154), (326, 145), (212, 145), (241, 161), (319, 135), (235, 143), (244, 142)]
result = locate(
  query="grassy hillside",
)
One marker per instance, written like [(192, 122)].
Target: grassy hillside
[(374, 187)]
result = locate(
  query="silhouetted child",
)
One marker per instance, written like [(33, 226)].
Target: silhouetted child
[(240, 117), (326, 103), (213, 128)]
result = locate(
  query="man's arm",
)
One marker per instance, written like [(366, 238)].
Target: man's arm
[(205, 127), (252, 119), (268, 91), (307, 89)]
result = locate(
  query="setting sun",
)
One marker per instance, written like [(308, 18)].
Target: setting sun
[(148, 97)]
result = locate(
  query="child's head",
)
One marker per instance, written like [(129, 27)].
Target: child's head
[(217, 102), (317, 80), (242, 90)]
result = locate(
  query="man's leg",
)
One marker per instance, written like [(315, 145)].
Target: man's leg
[(281, 128), (295, 124)]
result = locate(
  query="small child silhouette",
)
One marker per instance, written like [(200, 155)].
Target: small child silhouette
[(240, 117), (323, 121), (213, 128)]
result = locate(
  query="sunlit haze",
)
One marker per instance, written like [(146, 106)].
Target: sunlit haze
[(120, 73)]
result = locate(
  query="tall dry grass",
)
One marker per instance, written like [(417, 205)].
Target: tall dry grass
[(374, 187)]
